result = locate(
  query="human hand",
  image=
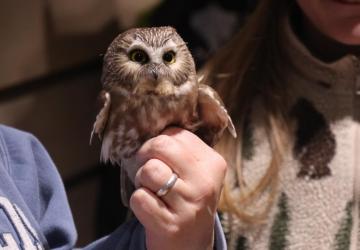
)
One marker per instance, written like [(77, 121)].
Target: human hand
[(184, 217)]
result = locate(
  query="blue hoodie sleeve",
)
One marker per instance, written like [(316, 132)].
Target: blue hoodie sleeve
[(29, 179), (37, 189)]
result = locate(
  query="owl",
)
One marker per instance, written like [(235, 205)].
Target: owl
[(149, 83)]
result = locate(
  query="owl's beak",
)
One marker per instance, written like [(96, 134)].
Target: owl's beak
[(154, 74), (153, 71)]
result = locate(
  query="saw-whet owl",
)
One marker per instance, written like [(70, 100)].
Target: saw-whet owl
[(149, 83)]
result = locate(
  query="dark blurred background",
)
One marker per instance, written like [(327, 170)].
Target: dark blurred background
[(50, 65)]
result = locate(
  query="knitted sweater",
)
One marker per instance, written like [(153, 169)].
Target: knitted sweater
[(317, 204)]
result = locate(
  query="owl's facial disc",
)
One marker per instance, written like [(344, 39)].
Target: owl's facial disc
[(155, 63)]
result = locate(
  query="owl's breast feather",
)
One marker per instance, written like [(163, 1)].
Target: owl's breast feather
[(136, 118)]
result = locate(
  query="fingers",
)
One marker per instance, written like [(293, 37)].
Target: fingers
[(153, 175), (200, 169), (185, 214), (210, 160), (165, 230), (150, 210), (185, 153), (167, 150)]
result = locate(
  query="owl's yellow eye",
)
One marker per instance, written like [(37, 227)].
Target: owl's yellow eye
[(169, 57), (139, 56)]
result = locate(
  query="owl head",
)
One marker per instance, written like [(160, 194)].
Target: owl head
[(151, 55)]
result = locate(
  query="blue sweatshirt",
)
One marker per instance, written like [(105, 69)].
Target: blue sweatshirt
[(34, 210)]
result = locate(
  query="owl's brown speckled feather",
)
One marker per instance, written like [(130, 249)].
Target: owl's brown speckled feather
[(150, 83)]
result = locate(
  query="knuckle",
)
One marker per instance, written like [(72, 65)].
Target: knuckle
[(160, 143), (222, 164), (136, 199), (196, 212), (151, 169), (219, 163), (173, 230), (207, 192), (174, 227)]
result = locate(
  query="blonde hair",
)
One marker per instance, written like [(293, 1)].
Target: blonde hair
[(250, 67)]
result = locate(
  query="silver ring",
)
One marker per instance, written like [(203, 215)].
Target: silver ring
[(167, 186)]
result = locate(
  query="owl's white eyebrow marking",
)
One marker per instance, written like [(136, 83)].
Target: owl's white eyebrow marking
[(138, 45), (170, 45), (182, 45)]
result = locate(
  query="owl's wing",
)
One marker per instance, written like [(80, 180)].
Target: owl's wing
[(213, 115), (126, 187), (102, 117)]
